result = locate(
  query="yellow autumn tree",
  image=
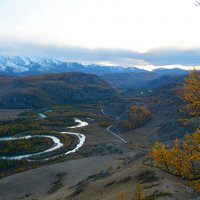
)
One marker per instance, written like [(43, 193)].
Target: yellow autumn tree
[(138, 192), (121, 196), (176, 159), (191, 149), (160, 155), (192, 93), (137, 116), (182, 159)]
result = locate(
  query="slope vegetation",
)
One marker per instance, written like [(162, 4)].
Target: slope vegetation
[(52, 89)]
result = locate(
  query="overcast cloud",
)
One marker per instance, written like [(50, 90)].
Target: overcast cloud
[(117, 32), (157, 57)]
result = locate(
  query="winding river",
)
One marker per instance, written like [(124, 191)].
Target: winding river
[(41, 116), (57, 143)]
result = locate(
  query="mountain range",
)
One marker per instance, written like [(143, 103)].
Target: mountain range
[(18, 65)]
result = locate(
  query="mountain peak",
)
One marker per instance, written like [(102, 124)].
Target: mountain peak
[(18, 65)]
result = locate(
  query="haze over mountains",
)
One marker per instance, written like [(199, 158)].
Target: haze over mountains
[(29, 66)]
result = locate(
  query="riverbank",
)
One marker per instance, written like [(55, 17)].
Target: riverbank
[(58, 149)]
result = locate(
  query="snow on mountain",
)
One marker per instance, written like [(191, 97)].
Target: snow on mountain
[(14, 64), (19, 64), (25, 65), (46, 62)]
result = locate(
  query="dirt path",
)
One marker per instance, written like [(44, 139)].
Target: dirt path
[(117, 136), (109, 127)]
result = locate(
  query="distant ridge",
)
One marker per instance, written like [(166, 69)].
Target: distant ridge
[(28, 66), (19, 65), (173, 71)]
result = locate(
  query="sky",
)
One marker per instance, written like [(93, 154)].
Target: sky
[(142, 33)]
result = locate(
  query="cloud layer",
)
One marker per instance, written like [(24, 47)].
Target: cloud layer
[(137, 25), (111, 32), (157, 57)]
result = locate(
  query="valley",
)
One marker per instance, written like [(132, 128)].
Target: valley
[(94, 149), (99, 100)]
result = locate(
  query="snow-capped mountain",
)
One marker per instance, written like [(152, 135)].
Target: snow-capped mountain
[(24, 65), (18, 65), (10, 64)]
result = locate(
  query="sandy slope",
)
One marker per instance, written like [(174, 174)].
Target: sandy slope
[(94, 178), (38, 182)]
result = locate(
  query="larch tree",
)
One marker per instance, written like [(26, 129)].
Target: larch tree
[(183, 158), (160, 155), (121, 196), (192, 94), (176, 159), (138, 192)]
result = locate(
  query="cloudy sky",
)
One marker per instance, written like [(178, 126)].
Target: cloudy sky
[(142, 33)]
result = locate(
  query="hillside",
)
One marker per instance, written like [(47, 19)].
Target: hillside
[(142, 80), (165, 104), (52, 89), (130, 80), (164, 80)]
